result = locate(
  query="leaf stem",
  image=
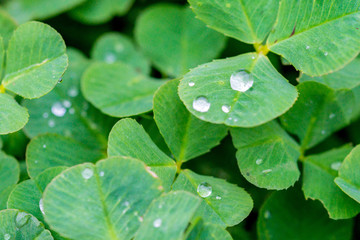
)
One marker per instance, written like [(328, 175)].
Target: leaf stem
[(2, 88), (178, 166)]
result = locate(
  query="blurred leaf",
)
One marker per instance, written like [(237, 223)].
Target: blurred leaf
[(13, 117), (9, 176), (207, 231)]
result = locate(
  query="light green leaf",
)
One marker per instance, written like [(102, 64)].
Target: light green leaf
[(186, 135), (267, 156), (227, 204), (15, 224), (100, 209), (168, 216), (307, 34), (118, 90), (25, 10), (207, 231), (35, 60), (318, 183), (96, 12), (318, 112), (2, 60), (128, 138), (175, 40), (348, 179), (246, 20), (115, 47), (265, 97), (65, 111), (7, 26), (9, 175), (13, 117), (50, 150), (286, 215)]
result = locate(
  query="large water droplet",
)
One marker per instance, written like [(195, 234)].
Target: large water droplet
[(259, 161), (87, 173), (7, 236), (204, 189), (41, 206), (157, 223), (336, 166), (225, 108), (73, 92), (21, 219), (241, 80), (201, 104), (58, 110)]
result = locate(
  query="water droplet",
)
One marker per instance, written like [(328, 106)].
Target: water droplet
[(141, 219), (58, 110), (44, 146), (204, 189), (60, 80), (87, 173), (110, 58), (267, 171), (36, 161), (307, 47), (73, 92), (41, 206), (332, 115), (101, 173), (160, 205), (259, 161), (267, 214), (157, 223), (336, 166), (230, 118), (241, 81), (201, 104), (67, 103), (326, 53), (7, 236), (71, 111), (218, 197), (153, 174), (51, 123), (191, 84), (323, 132), (235, 120), (253, 57), (119, 47), (45, 115), (225, 108), (21, 219)]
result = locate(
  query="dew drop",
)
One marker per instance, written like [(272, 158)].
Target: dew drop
[(218, 197), (241, 81), (45, 115), (7, 236), (157, 223), (67, 103), (201, 104), (326, 53), (323, 132), (191, 84), (58, 110), (60, 80), (336, 166), (73, 92), (101, 174), (87, 173), (332, 115), (51, 123), (110, 58), (252, 57), (259, 161), (267, 171), (204, 189), (21, 219), (41, 206), (225, 108), (44, 146), (71, 111), (153, 174), (267, 214), (307, 47)]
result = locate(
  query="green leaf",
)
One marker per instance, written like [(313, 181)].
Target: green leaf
[(246, 20), (175, 40), (207, 231), (115, 47), (318, 183), (118, 90), (50, 150), (7, 26), (286, 215), (9, 175), (186, 135), (15, 224), (168, 216), (100, 209), (128, 138), (35, 60), (96, 12), (267, 156), (25, 10), (307, 34), (65, 111), (318, 112), (268, 95), (13, 117), (227, 204), (348, 179)]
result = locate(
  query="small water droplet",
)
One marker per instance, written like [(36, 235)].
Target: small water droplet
[(153, 174), (267, 171), (87, 173), (241, 81), (160, 205), (336, 166), (225, 108), (323, 132), (253, 57), (41, 206), (7, 236), (218, 197), (267, 214), (235, 120), (58, 110), (45, 115), (51, 123), (204, 189), (141, 219), (307, 47), (110, 58), (259, 161), (71, 111), (67, 103), (21, 219), (44, 146), (201, 104), (157, 223), (73, 92), (60, 80), (332, 115), (102, 173), (191, 84), (36, 161), (326, 53)]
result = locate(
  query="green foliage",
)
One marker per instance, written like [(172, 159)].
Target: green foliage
[(135, 131)]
